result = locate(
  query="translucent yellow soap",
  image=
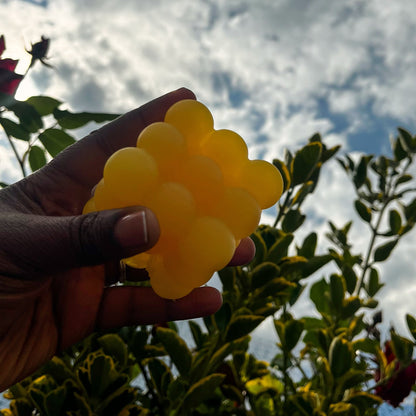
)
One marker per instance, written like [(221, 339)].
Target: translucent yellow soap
[(205, 192)]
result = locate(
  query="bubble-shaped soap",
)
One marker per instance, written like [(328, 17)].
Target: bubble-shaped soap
[(205, 192)]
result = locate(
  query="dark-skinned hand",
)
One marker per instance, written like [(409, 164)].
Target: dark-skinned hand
[(56, 283)]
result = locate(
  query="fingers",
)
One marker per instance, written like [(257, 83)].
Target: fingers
[(244, 253), (84, 161), (124, 306), (34, 245)]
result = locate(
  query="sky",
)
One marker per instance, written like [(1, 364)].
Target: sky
[(275, 71)]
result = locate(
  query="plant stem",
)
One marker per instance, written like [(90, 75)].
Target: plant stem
[(19, 160)]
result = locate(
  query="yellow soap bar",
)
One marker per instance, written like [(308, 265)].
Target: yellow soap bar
[(205, 192)]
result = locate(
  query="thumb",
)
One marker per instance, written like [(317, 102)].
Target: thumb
[(33, 245)]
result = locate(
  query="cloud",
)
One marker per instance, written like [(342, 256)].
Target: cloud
[(275, 72)]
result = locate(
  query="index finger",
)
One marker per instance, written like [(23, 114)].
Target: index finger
[(84, 161)]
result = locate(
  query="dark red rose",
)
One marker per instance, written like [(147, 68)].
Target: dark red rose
[(400, 385), (9, 80)]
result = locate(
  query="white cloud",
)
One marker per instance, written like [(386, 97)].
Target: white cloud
[(262, 68)]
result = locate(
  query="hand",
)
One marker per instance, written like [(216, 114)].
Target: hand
[(55, 262)]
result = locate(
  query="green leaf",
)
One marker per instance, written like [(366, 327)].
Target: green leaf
[(263, 274), (306, 189), (315, 263), (292, 332), (398, 151), (305, 162), (202, 390), (176, 348), (363, 211), (292, 267), (242, 325), (157, 370), (366, 345), (364, 401), (292, 220), (383, 252), (68, 120), (29, 118), (410, 210), (337, 290), (264, 405), (114, 346), (37, 158), (273, 288), (101, 372), (54, 401), (411, 324), (402, 348), (350, 307), (222, 316), (280, 248), (404, 178), (360, 174), (261, 249), (395, 221), (329, 153), (340, 356), (350, 278), (406, 140), (284, 172), (228, 277), (309, 246), (13, 129), (319, 295), (44, 105), (55, 140), (177, 389), (197, 333), (374, 284), (260, 385)]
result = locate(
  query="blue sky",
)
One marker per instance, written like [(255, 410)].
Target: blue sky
[(274, 71)]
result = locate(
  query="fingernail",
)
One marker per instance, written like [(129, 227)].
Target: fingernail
[(131, 231)]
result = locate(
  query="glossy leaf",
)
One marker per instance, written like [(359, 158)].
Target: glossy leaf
[(411, 324), (280, 248), (318, 293), (309, 246), (395, 221), (363, 211), (44, 105), (305, 162), (383, 252), (263, 274), (114, 346), (340, 356), (374, 284), (68, 120), (402, 348), (202, 390), (13, 129), (292, 220), (55, 140), (337, 290), (292, 332), (176, 348), (284, 172), (242, 325), (37, 158)]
